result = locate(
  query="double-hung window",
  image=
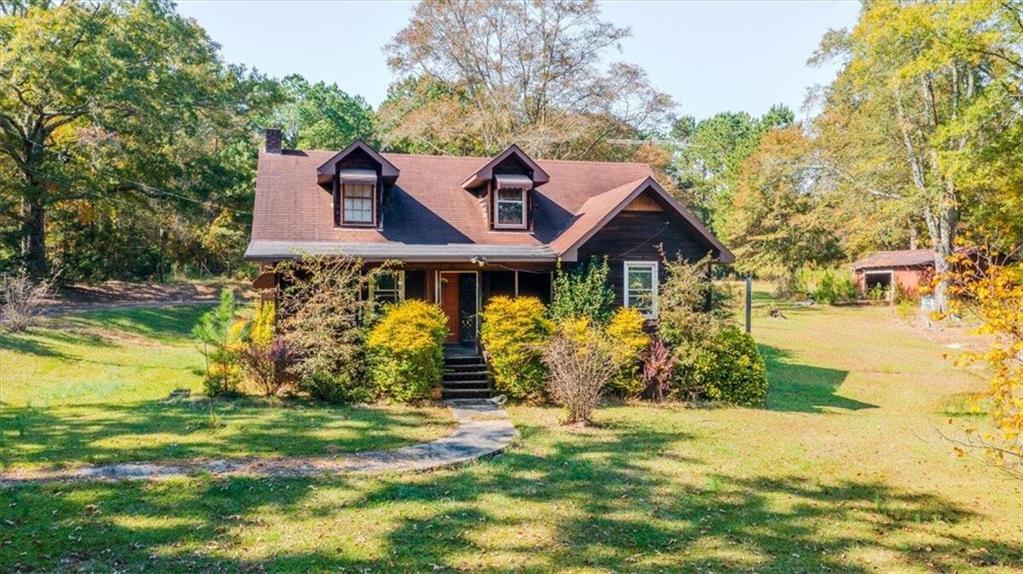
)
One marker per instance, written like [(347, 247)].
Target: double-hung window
[(641, 287), (510, 201), (358, 187), (511, 208), (389, 287)]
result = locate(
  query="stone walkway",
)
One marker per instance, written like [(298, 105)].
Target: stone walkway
[(483, 429)]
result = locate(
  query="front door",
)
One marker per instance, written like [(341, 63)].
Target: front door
[(449, 303), (459, 295)]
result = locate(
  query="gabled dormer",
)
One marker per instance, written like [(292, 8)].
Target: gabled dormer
[(505, 187), (357, 178)]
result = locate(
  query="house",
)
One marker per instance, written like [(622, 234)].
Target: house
[(468, 228), (907, 269)]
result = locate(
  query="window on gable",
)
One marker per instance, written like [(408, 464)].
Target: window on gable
[(357, 203), (641, 287), (510, 208)]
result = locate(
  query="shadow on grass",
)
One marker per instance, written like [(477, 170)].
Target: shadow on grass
[(804, 388), (164, 324), (162, 430), (562, 501), (99, 329)]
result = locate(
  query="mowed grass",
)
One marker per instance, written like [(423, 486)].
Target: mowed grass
[(845, 470), (94, 387)]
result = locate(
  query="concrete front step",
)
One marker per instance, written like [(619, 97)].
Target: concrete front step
[(465, 377), (465, 394)]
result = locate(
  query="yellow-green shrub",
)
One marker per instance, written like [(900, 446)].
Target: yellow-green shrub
[(406, 350), (628, 342), (512, 333), (263, 316)]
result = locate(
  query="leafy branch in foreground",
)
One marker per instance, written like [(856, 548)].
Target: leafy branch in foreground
[(983, 285)]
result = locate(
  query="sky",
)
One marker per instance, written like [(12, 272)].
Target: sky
[(709, 56)]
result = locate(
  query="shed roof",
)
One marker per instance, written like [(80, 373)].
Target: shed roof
[(900, 258)]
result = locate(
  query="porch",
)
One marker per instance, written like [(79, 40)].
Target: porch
[(462, 292)]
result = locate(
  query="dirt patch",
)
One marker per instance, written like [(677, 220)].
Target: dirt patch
[(119, 294)]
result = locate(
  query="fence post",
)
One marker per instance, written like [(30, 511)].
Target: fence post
[(749, 301)]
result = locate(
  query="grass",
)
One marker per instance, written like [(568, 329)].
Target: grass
[(844, 470), (93, 388)]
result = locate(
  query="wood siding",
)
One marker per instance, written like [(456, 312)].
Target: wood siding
[(637, 236)]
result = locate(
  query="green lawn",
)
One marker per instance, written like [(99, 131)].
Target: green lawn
[(93, 388), (845, 470)]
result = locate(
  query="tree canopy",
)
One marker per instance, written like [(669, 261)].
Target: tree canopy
[(476, 76), (108, 107)]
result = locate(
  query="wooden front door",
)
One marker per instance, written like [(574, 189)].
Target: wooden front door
[(449, 303)]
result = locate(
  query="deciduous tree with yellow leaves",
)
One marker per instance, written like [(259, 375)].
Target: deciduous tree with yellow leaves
[(982, 284)]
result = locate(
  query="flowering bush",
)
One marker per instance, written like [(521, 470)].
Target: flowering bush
[(512, 333), (628, 340), (406, 350)]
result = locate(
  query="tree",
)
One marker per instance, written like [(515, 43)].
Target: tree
[(985, 286), (321, 115), (583, 292), (528, 72), (777, 226), (113, 102), (933, 88), (710, 153)]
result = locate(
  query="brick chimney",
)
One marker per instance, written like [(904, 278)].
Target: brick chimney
[(273, 140)]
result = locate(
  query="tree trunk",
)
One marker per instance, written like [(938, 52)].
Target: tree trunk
[(941, 227), (33, 236)]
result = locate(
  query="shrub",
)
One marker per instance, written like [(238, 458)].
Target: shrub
[(406, 350), (628, 340), (581, 365), (263, 323), (728, 369), (715, 361), (877, 293), (684, 313), (321, 314), (583, 292), (658, 368), (269, 365), (20, 300), (221, 343), (833, 288), (512, 333)]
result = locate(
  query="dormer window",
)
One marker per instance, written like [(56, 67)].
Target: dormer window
[(357, 196), (510, 206)]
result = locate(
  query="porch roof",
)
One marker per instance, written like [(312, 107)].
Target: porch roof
[(381, 251)]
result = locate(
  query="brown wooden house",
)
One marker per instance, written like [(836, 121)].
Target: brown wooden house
[(469, 228)]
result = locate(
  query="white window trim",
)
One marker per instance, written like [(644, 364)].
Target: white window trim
[(401, 287), (654, 285), (497, 202), (373, 205)]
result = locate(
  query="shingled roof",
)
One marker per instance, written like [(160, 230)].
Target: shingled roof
[(901, 258), (427, 215)]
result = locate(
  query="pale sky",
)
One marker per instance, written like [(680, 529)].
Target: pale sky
[(710, 56)]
